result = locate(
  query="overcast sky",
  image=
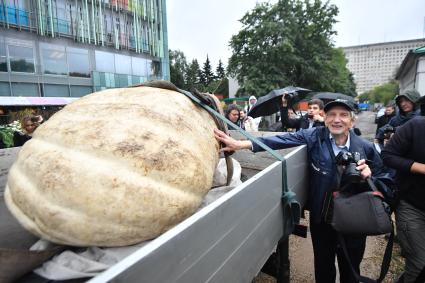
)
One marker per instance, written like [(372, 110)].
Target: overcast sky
[(201, 27)]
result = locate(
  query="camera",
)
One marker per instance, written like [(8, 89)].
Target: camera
[(349, 161), (388, 131), (292, 98)]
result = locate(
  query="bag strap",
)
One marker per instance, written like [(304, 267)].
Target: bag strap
[(385, 261)]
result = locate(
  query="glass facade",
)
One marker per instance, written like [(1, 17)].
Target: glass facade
[(137, 25), (4, 89), (103, 81), (122, 64), (51, 90), (21, 58), (105, 62), (3, 57), (78, 91), (53, 59), (71, 44), (24, 89), (78, 62)]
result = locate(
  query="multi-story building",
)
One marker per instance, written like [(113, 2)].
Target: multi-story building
[(74, 47), (375, 64)]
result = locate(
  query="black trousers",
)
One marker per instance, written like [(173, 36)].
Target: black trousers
[(325, 247)]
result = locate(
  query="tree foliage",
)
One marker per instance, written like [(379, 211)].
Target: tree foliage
[(190, 76), (381, 94), (220, 72), (289, 43), (207, 72), (178, 67)]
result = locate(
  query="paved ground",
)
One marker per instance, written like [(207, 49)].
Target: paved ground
[(366, 123), (301, 252)]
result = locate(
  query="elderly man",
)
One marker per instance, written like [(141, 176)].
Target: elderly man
[(323, 145)]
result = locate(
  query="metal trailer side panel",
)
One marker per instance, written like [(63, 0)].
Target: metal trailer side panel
[(7, 157), (227, 241)]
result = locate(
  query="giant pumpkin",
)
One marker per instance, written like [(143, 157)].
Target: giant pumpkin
[(114, 168)]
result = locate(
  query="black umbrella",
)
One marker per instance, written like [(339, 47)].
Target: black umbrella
[(269, 103), (331, 96)]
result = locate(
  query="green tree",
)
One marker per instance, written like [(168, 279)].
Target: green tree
[(288, 43), (207, 72), (340, 79), (221, 73), (192, 75), (178, 67), (381, 94)]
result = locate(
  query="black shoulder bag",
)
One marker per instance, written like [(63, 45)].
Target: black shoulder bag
[(364, 213)]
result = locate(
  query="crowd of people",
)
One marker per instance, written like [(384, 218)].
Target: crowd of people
[(328, 130)]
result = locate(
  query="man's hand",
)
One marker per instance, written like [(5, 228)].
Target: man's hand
[(364, 169), (230, 143), (284, 102), (318, 118)]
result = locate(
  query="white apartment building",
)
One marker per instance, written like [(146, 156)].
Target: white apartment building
[(375, 64)]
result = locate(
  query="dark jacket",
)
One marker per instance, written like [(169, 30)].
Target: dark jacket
[(405, 147), (20, 138), (397, 121), (401, 117), (383, 120), (323, 169), (301, 123)]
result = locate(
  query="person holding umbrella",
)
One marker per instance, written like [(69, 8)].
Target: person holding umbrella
[(313, 118)]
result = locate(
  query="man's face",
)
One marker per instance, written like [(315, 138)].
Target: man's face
[(405, 104), (252, 101), (234, 115), (389, 110), (313, 109), (338, 120)]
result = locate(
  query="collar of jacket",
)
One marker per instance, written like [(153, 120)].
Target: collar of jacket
[(355, 141)]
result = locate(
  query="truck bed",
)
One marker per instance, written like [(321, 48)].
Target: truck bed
[(230, 239)]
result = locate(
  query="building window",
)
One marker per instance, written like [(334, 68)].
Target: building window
[(24, 89), (4, 89), (3, 57), (78, 91), (21, 58), (51, 90), (105, 62), (122, 64), (53, 59), (139, 66), (78, 62)]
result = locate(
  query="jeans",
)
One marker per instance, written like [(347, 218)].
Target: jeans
[(411, 235)]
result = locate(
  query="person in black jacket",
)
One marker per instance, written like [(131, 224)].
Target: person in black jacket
[(405, 152), (407, 109), (388, 114), (313, 118)]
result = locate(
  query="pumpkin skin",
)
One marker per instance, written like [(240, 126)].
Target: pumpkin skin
[(114, 168)]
